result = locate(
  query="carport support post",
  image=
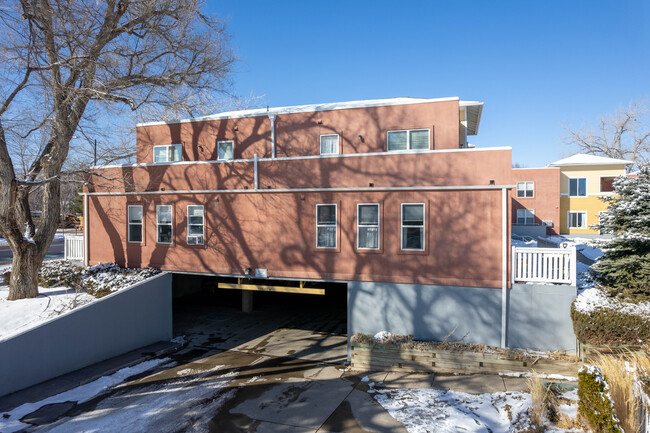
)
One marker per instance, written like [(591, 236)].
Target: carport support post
[(247, 301)]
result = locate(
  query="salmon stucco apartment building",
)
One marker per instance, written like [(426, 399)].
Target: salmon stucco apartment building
[(564, 197), (383, 196)]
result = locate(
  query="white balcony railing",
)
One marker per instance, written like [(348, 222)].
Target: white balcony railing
[(73, 247), (544, 265)]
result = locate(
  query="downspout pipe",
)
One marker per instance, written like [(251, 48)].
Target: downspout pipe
[(504, 267), (86, 240), (272, 119)]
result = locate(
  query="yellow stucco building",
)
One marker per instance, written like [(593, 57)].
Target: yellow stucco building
[(583, 179)]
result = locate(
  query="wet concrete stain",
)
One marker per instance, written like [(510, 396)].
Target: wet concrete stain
[(343, 420), (48, 413)]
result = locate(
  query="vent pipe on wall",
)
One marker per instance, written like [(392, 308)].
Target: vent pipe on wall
[(272, 119)]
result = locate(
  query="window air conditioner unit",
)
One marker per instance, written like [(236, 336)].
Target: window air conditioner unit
[(547, 223)]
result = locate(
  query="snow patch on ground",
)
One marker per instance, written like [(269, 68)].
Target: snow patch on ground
[(594, 298), (531, 243), (440, 411), (186, 403), (79, 394), (540, 375), (382, 336), (431, 410), (18, 316)]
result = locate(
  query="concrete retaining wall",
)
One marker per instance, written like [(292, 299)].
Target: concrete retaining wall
[(115, 324), (538, 316), (529, 230)]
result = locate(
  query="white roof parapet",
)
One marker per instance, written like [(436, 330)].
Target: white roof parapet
[(586, 159), (474, 108)]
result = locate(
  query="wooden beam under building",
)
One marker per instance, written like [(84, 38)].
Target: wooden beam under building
[(280, 289)]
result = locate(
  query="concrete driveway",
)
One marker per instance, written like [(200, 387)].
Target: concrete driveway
[(273, 370)]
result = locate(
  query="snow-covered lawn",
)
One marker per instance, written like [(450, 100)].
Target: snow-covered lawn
[(18, 316), (440, 411), (593, 298)]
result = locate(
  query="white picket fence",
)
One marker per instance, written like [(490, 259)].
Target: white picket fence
[(544, 265), (73, 247)]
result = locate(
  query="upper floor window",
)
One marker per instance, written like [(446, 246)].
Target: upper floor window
[(607, 183), (525, 189), (412, 139), (135, 223), (577, 187), (413, 226), (525, 216), (226, 150), (164, 223), (329, 144), (195, 225), (326, 226), (167, 153), (368, 226)]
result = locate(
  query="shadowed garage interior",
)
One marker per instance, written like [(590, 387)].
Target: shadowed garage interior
[(306, 326)]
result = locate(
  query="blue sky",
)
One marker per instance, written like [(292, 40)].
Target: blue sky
[(536, 65)]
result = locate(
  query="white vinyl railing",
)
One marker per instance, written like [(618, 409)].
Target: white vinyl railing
[(73, 248), (544, 265)]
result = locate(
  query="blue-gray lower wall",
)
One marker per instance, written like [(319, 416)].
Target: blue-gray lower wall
[(538, 316), (115, 324)]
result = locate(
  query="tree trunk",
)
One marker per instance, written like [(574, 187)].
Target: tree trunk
[(24, 272)]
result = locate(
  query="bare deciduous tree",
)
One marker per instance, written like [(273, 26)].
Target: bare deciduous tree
[(64, 63), (623, 135)]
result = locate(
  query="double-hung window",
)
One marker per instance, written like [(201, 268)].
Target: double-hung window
[(225, 150), (164, 223), (577, 220), (410, 139), (577, 187), (607, 183), (368, 226), (135, 223), (326, 226), (168, 153), (525, 189), (195, 223), (329, 144), (525, 216), (413, 226)]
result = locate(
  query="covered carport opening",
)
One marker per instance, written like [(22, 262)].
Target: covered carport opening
[(228, 315)]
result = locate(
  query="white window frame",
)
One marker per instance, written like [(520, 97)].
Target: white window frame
[(578, 187), (526, 189), (233, 150), (335, 225), (171, 224), (378, 226), (202, 235), (532, 216), (423, 226), (600, 184), (584, 219), (129, 223), (168, 153), (338, 144), (408, 139)]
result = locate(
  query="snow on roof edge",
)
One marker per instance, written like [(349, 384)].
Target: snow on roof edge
[(312, 108), (586, 159)]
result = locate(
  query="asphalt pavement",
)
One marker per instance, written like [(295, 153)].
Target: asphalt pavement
[(55, 252)]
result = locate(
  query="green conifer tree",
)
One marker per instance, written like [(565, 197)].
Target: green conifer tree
[(624, 268)]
